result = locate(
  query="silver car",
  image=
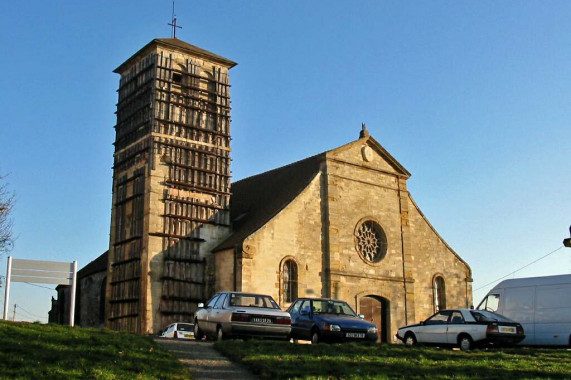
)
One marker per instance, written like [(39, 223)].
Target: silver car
[(241, 315), (464, 328)]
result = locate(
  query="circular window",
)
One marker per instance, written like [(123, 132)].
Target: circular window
[(371, 241)]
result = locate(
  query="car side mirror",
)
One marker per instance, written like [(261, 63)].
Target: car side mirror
[(201, 305), (361, 316)]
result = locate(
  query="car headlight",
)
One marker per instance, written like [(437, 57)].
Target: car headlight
[(335, 328), (372, 330)]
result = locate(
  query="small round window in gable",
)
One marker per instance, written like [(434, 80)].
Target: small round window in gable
[(367, 153), (370, 241)]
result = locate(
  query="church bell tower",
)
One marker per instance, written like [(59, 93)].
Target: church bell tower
[(171, 183)]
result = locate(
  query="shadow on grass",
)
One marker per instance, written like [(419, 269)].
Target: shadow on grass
[(283, 360), (33, 351)]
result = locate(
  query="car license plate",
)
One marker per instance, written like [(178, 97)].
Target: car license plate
[(355, 335), (507, 329), (261, 320)]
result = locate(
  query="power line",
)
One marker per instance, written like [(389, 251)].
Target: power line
[(39, 286), (30, 314), (517, 270)]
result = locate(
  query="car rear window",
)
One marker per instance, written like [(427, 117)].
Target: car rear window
[(253, 300), (487, 316), (184, 327)]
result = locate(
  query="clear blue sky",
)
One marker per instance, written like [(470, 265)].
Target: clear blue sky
[(473, 98)]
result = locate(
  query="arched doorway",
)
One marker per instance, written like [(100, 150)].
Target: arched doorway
[(376, 309)]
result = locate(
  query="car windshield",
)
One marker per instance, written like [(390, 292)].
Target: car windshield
[(332, 307), (488, 316), (253, 300), (184, 327)]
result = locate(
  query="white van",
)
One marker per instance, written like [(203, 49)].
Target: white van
[(541, 304)]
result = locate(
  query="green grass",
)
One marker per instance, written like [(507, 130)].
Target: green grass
[(34, 351), (281, 360)]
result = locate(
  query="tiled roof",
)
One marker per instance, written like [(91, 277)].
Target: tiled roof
[(257, 199), (97, 265)]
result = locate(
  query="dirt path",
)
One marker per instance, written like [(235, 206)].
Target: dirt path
[(203, 360)]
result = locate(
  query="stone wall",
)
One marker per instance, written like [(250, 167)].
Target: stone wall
[(224, 264), (294, 233), (91, 290)]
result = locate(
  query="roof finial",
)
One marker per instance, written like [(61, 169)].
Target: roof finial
[(364, 132), (173, 22)]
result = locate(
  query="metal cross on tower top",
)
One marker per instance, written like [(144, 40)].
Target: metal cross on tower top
[(173, 22)]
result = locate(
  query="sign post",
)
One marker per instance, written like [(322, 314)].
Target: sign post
[(7, 290), (42, 272), (72, 294)]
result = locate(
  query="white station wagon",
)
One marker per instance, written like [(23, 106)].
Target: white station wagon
[(179, 331), (241, 315), (464, 328)]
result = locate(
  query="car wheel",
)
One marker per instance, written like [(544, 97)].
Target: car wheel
[(315, 338), (219, 334), (465, 343), (410, 339), (198, 334)]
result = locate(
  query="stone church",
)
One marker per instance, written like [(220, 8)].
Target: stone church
[(340, 224)]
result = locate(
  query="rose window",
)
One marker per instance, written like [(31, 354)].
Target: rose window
[(371, 241)]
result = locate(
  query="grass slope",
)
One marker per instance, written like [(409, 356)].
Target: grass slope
[(34, 351), (281, 360)]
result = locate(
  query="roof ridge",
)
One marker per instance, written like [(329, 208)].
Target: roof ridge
[(271, 171)]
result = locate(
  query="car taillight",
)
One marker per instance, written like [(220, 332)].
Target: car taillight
[(176, 334), (240, 317), (492, 329), (520, 330), (283, 320)]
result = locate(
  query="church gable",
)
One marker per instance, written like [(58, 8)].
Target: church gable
[(368, 153)]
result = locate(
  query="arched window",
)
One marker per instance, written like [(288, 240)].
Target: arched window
[(289, 280), (439, 294)]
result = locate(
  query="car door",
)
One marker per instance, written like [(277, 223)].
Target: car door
[(304, 321), (217, 312), (169, 332), (206, 323), (434, 329), (294, 314), (456, 325)]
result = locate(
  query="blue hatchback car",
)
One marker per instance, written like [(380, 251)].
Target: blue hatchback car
[(327, 320)]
